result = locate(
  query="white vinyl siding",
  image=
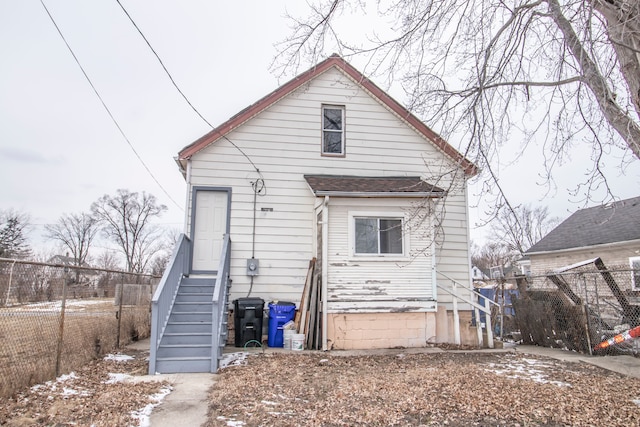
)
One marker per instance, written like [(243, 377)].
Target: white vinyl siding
[(374, 283), (283, 142)]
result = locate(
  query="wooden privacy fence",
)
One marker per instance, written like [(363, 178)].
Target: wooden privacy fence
[(55, 318)]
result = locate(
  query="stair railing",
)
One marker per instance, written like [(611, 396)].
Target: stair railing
[(455, 286), (220, 303), (165, 295)]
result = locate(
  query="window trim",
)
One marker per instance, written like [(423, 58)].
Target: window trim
[(352, 215), (342, 131), (634, 286)]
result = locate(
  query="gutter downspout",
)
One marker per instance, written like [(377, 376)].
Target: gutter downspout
[(325, 269), (187, 197)]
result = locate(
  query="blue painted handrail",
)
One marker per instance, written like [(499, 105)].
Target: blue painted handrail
[(220, 301), (165, 295)]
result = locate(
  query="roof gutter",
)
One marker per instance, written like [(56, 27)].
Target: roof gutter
[(586, 248), (416, 195), (182, 165)]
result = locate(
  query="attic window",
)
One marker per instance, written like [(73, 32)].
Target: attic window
[(332, 130)]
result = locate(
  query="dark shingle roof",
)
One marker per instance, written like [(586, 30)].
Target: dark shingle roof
[(350, 185), (615, 222)]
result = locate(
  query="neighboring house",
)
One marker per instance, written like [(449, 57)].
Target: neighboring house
[(478, 275), (85, 277), (329, 166), (610, 232)]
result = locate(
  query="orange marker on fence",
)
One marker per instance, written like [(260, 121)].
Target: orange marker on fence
[(631, 333)]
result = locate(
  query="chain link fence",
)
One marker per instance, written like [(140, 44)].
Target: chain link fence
[(55, 318), (577, 308)]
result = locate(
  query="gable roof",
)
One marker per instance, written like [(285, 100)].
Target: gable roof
[(469, 168), (364, 186), (612, 223)]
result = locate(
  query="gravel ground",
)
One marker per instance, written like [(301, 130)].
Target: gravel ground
[(96, 395), (449, 388)]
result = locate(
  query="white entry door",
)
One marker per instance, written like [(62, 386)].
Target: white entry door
[(208, 229)]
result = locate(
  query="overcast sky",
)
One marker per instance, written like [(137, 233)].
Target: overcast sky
[(60, 151)]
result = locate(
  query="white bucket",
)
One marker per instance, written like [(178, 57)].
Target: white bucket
[(297, 342), (286, 340)]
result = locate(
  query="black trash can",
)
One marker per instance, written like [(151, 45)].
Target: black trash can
[(247, 319)]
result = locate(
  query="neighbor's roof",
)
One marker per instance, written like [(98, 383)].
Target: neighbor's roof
[(365, 186), (611, 223), (338, 62)]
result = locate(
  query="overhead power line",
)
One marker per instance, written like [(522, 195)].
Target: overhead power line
[(107, 108), (178, 88)]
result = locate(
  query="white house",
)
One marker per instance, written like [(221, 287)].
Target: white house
[(332, 143), (330, 166)]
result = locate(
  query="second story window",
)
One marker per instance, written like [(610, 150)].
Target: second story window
[(332, 130)]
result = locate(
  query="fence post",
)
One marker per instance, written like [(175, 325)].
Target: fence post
[(587, 324), (63, 304), (6, 302), (488, 323), (456, 316), (119, 312), (502, 309)]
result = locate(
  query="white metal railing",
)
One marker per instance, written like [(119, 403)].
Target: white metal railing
[(220, 301), (476, 306), (165, 295)]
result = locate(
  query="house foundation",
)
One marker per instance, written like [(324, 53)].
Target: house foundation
[(363, 331)]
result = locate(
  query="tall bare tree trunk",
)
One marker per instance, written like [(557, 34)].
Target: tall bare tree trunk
[(593, 79), (623, 27)]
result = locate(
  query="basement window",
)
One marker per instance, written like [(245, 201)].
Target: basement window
[(332, 130), (378, 236)]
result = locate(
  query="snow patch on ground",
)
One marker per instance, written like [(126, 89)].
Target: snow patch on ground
[(636, 401), (71, 305), (60, 386), (233, 359), (143, 415), (232, 422), (528, 369), (118, 357), (116, 378)]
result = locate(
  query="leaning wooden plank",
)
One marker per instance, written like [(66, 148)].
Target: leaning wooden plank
[(631, 313), (564, 287), (318, 335), (304, 301), (312, 311)]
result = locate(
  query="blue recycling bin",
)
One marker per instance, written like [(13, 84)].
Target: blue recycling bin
[(280, 312)]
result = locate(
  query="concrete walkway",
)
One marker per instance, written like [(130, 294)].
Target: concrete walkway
[(626, 365), (187, 404)]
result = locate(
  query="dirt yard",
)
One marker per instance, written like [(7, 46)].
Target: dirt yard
[(449, 388), (314, 389), (95, 395)]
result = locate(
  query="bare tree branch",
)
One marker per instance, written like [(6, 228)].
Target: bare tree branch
[(76, 232), (126, 219), (565, 74)]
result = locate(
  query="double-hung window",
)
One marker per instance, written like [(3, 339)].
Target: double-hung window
[(635, 273), (332, 130), (378, 236)]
